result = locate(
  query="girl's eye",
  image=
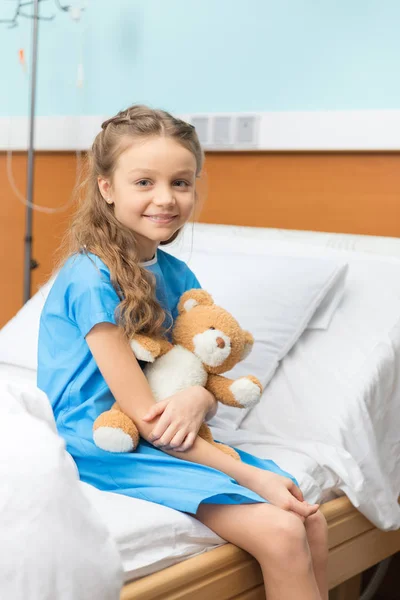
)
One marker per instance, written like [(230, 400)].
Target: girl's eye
[(181, 183), (143, 183)]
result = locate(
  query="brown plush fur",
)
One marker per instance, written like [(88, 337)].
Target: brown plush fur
[(186, 327), (157, 347)]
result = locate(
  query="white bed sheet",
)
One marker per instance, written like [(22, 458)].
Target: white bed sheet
[(358, 454)]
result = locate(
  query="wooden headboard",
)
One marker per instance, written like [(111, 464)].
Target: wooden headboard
[(337, 192)]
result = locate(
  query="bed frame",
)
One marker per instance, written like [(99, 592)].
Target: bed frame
[(228, 573), (355, 544)]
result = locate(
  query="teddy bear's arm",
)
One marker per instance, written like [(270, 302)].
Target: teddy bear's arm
[(165, 346), (148, 349), (244, 392)]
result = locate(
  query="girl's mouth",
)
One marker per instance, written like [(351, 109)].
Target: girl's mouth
[(161, 219)]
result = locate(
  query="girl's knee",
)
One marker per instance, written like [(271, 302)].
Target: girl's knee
[(285, 538), (316, 525), (290, 529)]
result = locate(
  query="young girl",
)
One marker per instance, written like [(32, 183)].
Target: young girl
[(116, 281)]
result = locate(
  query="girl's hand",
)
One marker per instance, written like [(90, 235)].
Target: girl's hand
[(282, 492), (181, 417)]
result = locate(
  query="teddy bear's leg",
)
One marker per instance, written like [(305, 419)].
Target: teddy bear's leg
[(148, 349), (244, 392), (205, 434), (114, 431), (227, 450)]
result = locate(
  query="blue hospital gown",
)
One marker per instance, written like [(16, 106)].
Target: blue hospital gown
[(82, 296)]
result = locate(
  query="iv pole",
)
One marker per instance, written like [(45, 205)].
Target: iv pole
[(29, 264)]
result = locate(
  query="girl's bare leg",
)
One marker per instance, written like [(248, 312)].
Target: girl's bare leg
[(276, 538), (317, 536)]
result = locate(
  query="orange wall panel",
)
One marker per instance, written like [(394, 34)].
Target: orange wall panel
[(54, 181), (347, 193), (338, 192)]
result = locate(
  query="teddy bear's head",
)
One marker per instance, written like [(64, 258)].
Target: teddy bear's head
[(210, 332)]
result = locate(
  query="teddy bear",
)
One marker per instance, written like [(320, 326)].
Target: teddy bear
[(207, 341)]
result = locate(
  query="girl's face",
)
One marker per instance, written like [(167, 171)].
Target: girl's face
[(153, 190)]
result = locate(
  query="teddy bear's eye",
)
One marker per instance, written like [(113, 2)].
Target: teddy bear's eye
[(213, 328)]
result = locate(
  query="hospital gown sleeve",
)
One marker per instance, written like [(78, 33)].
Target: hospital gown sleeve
[(192, 282), (90, 295)]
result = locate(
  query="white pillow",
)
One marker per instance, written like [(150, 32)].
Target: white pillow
[(231, 239), (274, 297), (19, 337)]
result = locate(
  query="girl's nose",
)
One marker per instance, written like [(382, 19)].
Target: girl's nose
[(164, 197)]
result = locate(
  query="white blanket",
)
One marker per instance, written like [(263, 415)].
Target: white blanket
[(53, 545)]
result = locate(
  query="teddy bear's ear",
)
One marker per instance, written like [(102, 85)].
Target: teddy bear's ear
[(193, 298), (248, 344)]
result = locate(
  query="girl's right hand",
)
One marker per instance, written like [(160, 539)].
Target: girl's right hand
[(181, 416), (280, 491)]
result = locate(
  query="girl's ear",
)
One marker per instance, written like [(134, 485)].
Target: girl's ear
[(104, 188), (193, 298)]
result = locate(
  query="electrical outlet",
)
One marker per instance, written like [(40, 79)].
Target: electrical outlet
[(230, 131), (246, 130), (222, 131), (202, 126)]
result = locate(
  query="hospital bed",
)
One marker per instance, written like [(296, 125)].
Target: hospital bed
[(344, 450), (354, 368)]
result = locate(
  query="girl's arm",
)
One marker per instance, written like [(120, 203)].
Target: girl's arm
[(130, 388)]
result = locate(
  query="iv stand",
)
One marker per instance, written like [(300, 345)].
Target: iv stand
[(29, 264)]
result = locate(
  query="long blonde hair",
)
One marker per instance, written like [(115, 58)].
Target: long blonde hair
[(95, 228)]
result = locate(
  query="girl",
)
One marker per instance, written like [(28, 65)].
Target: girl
[(116, 281)]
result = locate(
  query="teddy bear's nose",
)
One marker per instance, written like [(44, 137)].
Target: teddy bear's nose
[(220, 342)]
